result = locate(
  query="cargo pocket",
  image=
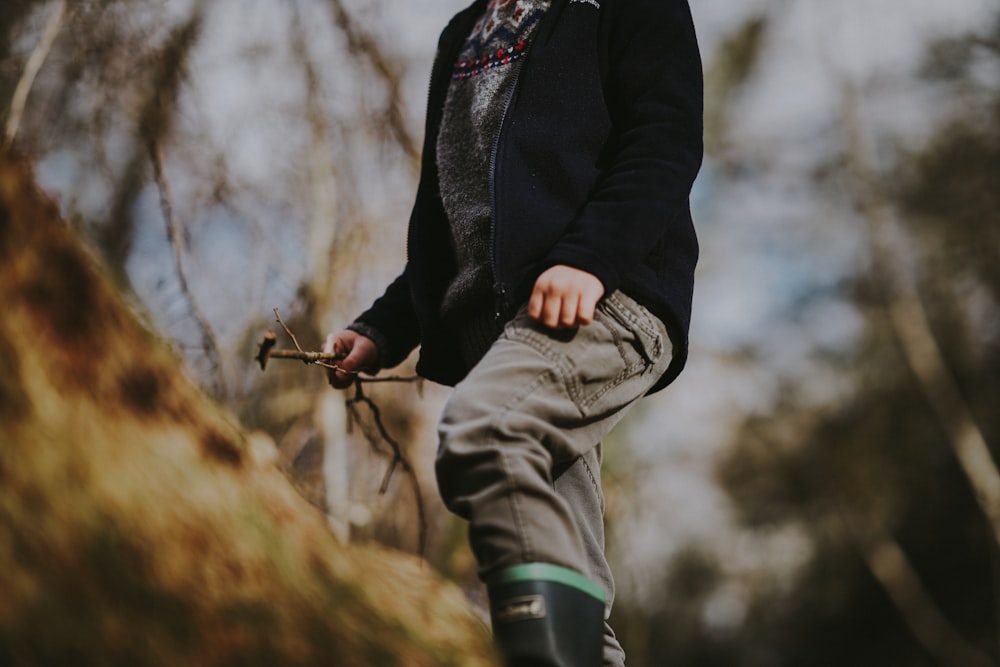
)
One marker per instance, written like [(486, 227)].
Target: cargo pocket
[(609, 364)]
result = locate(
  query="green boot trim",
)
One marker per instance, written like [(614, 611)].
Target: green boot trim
[(547, 572)]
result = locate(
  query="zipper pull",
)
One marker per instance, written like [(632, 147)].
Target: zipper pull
[(500, 302)]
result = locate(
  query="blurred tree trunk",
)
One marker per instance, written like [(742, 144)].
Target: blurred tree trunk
[(908, 318), (139, 525), (342, 235)]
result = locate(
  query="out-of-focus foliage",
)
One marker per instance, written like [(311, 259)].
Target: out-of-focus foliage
[(140, 526), (901, 566), (737, 59), (226, 160), (231, 157)]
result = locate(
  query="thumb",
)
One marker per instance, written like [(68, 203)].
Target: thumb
[(354, 360), (361, 353), (330, 344)]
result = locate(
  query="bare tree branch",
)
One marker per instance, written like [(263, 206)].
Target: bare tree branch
[(364, 46), (41, 51), (325, 174), (892, 568), (380, 434), (288, 331), (374, 431), (911, 325), (209, 339)]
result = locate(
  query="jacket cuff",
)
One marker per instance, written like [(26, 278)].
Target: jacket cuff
[(585, 260), (377, 337)]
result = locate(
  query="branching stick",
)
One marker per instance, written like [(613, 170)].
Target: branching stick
[(374, 430)]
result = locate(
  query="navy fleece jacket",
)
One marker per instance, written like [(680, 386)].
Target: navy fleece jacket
[(593, 166)]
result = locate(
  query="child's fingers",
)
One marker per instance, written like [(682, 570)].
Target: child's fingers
[(564, 297), (535, 303), (586, 308), (552, 311), (358, 352), (569, 311), (545, 304)]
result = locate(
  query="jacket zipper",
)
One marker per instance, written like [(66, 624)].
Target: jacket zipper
[(501, 302), (430, 89)]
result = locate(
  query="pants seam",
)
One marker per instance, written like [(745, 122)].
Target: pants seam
[(594, 482), (527, 548)]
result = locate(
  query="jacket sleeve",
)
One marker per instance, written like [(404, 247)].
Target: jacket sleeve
[(391, 323), (654, 92)]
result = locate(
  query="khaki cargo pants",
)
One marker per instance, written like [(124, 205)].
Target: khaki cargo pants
[(520, 453)]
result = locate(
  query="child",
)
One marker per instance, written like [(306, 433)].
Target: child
[(549, 276)]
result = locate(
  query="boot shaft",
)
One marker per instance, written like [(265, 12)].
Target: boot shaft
[(547, 616)]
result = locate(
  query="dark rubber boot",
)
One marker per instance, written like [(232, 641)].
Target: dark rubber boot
[(547, 616)]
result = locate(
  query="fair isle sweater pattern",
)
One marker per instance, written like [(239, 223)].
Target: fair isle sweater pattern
[(500, 37), (482, 80)]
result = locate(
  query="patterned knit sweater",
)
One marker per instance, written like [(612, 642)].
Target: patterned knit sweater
[(482, 81)]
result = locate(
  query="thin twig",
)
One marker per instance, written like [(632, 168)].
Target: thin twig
[(386, 378), (398, 458), (288, 331), (324, 359), (374, 433), (319, 358), (20, 99), (209, 339)]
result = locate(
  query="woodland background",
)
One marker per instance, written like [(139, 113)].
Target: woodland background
[(816, 489)]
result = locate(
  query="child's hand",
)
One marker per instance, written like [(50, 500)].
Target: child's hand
[(565, 297), (358, 352)]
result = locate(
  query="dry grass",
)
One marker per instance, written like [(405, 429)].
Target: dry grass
[(136, 524)]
